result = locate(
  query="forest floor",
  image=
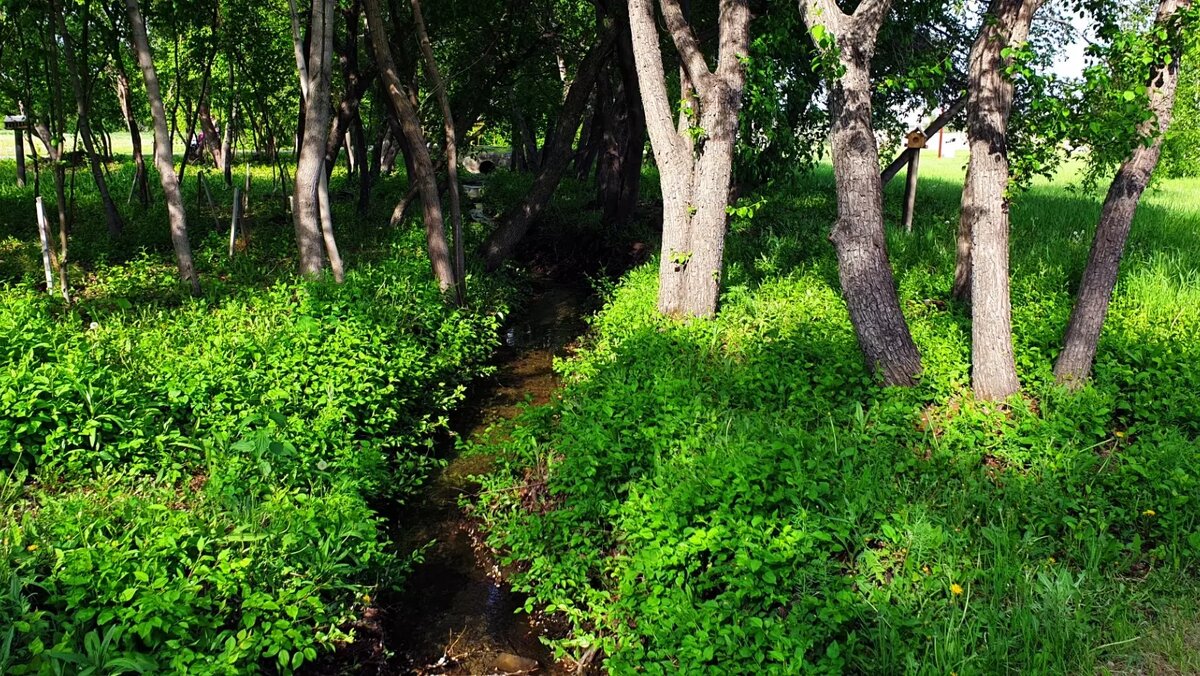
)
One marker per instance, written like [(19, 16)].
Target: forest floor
[(739, 496), (201, 483), (735, 495)]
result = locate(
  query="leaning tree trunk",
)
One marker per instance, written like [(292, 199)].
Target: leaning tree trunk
[(140, 178), (84, 126), (439, 88), (695, 178), (162, 150), (1074, 364), (984, 218), (867, 281), (212, 138), (422, 174), (557, 156)]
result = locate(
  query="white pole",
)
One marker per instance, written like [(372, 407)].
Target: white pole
[(233, 224), (44, 234)]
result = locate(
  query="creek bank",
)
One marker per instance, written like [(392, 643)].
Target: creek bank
[(457, 616)]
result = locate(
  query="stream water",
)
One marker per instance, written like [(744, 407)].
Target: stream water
[(457, 616)]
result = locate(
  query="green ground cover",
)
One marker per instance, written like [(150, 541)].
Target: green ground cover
[(195, 484), (738, 496)]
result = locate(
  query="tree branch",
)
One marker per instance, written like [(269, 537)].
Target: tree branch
[(872, 13), (660, 121), (689, 48), (824, 13)]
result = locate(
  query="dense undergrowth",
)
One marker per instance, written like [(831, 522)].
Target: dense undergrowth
[(194, 484), (738, 496)]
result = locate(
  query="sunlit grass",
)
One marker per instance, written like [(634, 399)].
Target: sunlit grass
[(736, 495)]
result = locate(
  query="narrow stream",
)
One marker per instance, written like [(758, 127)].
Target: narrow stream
[(456, 617)]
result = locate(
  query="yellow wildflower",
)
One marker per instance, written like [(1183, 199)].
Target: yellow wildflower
[(925, 569), (1119, 434), (366, 598), (31, 548), (1149, 512), (956, 589), (1051, 560)]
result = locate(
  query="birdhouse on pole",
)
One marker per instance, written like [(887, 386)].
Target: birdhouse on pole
[(17, 123), (916, 141)]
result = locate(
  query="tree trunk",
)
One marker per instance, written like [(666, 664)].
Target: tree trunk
[(591, 134), (84, 127), (439, 88), (531, 157), (632, 139), (695, 175), (865, 273), (162, 150), (310, 201), (212, 137), (356, 84), (517, 161), (421, 172), (227, 139), (984, 219), (54, 151), (1074, 363), (140, 177), (558, 155)]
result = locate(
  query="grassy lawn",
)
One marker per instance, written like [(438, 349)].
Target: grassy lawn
[(739, 496), (121, 144)]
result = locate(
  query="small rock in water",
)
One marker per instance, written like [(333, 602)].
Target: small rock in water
[(510, 663)]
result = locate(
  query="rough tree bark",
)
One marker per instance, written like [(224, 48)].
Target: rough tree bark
[(695, 177), (1074, 363), (867, 281), (421, 172), (982, 271), (162, 149), (310, 212), (556, 156), (439, 89)]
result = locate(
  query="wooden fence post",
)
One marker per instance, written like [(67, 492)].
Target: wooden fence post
[(916, 141)]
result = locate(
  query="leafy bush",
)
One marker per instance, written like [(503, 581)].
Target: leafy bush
[(192, 484), (738, 496)]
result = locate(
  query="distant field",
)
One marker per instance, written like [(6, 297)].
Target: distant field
[(120, 142)]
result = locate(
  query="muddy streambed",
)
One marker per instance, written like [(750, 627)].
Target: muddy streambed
[(456, 616)]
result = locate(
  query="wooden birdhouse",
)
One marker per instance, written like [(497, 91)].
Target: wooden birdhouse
[(916, 139)]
